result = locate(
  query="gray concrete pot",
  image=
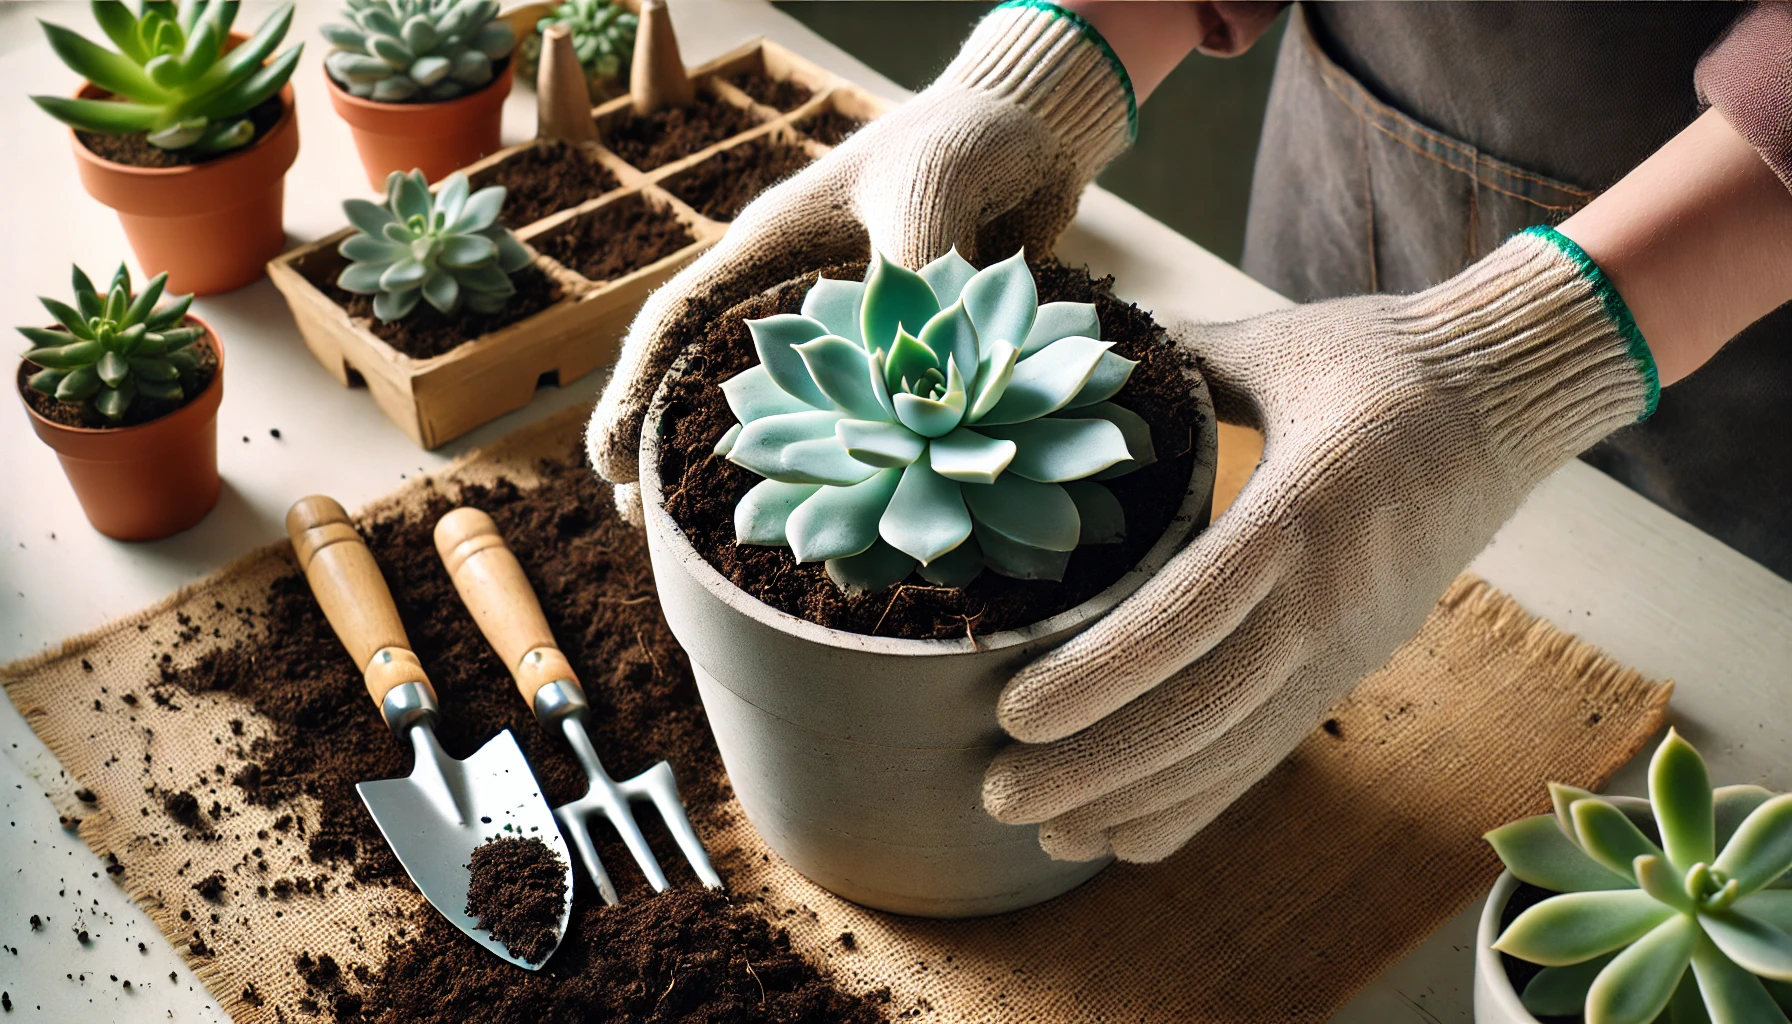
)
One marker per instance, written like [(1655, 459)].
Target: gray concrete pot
[(860, 759)]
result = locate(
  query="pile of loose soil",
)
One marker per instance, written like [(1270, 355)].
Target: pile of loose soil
[(704, 490), (134, 149), (831, 127), (517, 891), (720, 187), (546, 178), (686, 954), (143, 408), (616, 239), (779, 94), (666, 135), (427, 332)]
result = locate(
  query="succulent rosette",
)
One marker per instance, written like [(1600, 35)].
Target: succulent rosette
[(941, 421)]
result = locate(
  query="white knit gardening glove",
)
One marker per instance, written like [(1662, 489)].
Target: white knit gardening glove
[(998, 150), (1400, 433)]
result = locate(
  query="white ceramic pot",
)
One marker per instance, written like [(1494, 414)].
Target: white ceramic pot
[(1496, 1001), (860, 759)]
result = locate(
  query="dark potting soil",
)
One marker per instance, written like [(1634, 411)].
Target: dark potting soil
[(720, 187), (779, 94), (616, 239), (703, 490), (1519, 971), (546, 178), (426, 332), (687, 954), (134, 150), (666, 135), (517, 891), (143, 408), (830, 127)]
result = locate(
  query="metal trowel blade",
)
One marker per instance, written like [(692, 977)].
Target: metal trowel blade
[(435, 818)]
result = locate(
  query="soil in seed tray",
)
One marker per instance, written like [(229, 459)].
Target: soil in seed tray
[(666, 135), (687, 954), (546, 178), (134, 150), (779, 94), (517, 891), (616, 239), (831, 127), (720, 187), (426, 332), (703, 490), (143, 408)]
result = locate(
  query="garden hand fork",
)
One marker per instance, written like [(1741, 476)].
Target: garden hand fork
[(494, 589)]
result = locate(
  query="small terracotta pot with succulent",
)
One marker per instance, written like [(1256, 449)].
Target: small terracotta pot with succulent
[(127, 395)]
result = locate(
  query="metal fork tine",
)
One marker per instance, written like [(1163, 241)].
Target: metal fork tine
[(576, 830), (607, 799), (658, 785)]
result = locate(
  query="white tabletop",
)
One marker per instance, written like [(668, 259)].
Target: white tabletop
[(1584, 552)]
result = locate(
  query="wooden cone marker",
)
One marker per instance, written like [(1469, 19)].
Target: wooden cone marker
[(563, 101), (657, 78)]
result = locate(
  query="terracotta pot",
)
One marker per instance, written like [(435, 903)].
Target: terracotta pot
[(435, 138), (151, 480), (212, 226)]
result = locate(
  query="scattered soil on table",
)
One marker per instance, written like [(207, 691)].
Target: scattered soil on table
[(704, 489), (427, 332), (183, 807), (666, 135), (720, 187), (777, 93), (143, 409), (517, 892), (616, 239), (134, 149), (831, 127), (546, 178)]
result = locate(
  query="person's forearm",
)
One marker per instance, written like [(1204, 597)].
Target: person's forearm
[(1698, 241), (1150, 37)]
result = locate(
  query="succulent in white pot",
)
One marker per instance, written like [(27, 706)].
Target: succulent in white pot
[(923, 429)]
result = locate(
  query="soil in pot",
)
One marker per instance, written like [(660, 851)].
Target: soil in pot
[(133, 149), (666, 135), (777, 93), (1520, 972), (546, 178), (678, 955), (703, 490), (517, 889), (427, 332), (830, 127), (142, 410), (616, 239), (720, 187)]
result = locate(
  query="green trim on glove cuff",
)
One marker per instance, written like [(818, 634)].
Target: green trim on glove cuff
[(1615, 308), (1094, 36)]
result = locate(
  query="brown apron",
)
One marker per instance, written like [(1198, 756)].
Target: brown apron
[(1360, 186)]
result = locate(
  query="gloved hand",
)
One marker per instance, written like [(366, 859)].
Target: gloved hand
[(1400, 433), (998, 150)]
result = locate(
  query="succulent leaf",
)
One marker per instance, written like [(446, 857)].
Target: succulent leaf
[(948, 275), (1636, 986), (1055, 450), (926, 516), (105, 355), (880, 443), (1111, 374), (1731, 805), (761, 513), (873, 569), (956, 568), (970, 457), (895, 297), (1680, 792), (752, 395), (775, 339), (1002, 300), (1035, 514), (1562, 991), (1059, 320), (835, 305), (1102, 520), (1609, 837), (836, 522), (997, 369), (445, 248), (841, 371), (1017, 560), (1133, 427), (1732, 995), (1577, 926), (400, 51), (950, 335), (1537, 851), (1757, 946), (934, 417), (1657, 878), (1046, 381), (1761, 849), (725, 443)]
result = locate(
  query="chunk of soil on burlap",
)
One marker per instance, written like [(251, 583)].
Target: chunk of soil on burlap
[(134, 149), (517, 891), (720, 187), (777, 93), (183, 807), (546, 178), (427, 332), (142, 410), (686, 952), (703, 490), (831, 127), (616, 239), (667, 135)]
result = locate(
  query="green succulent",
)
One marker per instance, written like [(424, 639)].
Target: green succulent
[(603, 38), (977, 440), (447, 248), (112, 349), (398, 51), (171, 76), (1691, 876)]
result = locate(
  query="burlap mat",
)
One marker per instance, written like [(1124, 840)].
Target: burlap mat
[(1345, 858)]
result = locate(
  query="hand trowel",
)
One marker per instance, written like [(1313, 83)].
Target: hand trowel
[(435, 818)]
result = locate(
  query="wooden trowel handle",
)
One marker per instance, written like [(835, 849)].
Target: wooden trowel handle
[(494, 589), (347, 583)]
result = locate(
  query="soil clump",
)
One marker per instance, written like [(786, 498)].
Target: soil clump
[(518, 889), (666, 135), (778, 93), (546, 178), (617, 239)]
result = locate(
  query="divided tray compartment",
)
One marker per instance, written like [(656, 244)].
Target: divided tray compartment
[(439, 398)]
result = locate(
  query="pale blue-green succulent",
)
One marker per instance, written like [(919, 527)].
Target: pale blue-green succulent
[(943, 420), (447, 249), (1690, 877), (417, 51)]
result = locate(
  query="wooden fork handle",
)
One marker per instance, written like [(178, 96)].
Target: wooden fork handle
[(493, 587)]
